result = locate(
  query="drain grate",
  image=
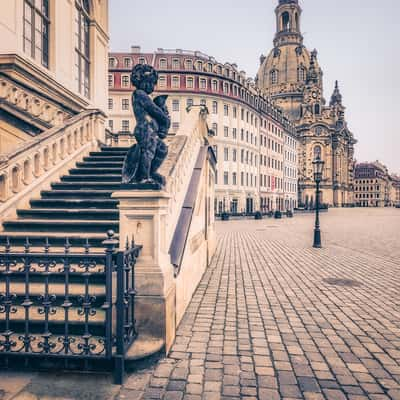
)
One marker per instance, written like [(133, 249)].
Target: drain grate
[(342, 282)]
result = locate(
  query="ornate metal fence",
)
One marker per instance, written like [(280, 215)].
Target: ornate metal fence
[(59, 304)]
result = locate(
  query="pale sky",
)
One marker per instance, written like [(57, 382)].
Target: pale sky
[(357, 43)]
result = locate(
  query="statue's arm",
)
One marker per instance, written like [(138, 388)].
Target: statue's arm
[(153, 110)]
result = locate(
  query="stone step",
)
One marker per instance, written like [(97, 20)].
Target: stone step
[(110, 186), (107, 153), (57, 289), (98, 164), (38, 239), (77, 214), (76, 322), (104, 159), (75, 203), (116, 149), (76, 194), (92, 178), (95, 171), (60, 226)]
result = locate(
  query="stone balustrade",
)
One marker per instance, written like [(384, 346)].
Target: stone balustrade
[(46, 112), (19, 169)]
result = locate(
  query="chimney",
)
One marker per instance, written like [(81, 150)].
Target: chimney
[(135, 49)]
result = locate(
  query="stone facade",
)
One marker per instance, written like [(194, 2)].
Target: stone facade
[(373, 185), (251, 136), (292, 77), (53, 62)]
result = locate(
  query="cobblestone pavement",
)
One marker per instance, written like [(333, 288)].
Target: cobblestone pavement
[(274, 318)]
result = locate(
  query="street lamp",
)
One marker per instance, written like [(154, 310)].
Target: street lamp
[(318, 166)]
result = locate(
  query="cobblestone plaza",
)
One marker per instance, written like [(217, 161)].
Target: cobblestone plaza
[(274, 318)]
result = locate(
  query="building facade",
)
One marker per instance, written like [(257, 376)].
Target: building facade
[(373, 185), (251, 136), (53, 64), (395, 190), (292, 77)]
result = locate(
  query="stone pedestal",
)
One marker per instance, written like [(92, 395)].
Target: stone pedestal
[(143, 215)]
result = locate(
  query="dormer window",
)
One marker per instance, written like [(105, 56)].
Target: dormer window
[(301, 74)]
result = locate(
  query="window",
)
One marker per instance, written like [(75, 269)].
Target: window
[(111, 124), (142, 60), (234, 178), (125, 81), (215, 128), (226, 154), (215, 148), (125, 104), (234, 112), (189, 82), (175, 63), (234, 155), (189, 102), (226, 178), (110, 104), (175, 126), (226, 87), (162, 81), (203, 102), (176, 82), (317, 152), (209, 67), (203, 83), (242, 178), (274, 77), (199, 65), (82, 47), (112, 62), (226, 131), (226, 110), (125, 125), (234, 133), (215, 86), (36, 30), (215, 107), (301, 74), (162, 63), (110, 80), (175, 105), (189, 64), (127, 62)]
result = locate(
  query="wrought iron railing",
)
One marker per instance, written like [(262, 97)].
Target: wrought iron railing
[(68, 305)]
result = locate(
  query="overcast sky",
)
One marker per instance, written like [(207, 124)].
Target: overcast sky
[(357, 43)]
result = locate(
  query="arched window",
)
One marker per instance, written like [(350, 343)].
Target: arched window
[(317, 152), (285, 21), (317, 109), (82, 47), (301, 74), (274, 76)]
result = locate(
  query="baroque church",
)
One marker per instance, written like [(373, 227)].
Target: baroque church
[(292, 77)]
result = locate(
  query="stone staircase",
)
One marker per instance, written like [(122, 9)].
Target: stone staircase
[(79, 207), (73, 218)]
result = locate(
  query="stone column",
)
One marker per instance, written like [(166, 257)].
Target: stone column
[(143, 215)]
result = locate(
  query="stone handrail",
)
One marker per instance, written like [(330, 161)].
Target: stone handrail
[(192, 135), (35, 158)]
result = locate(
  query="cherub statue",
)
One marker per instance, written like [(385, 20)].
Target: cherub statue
[(152, 124)]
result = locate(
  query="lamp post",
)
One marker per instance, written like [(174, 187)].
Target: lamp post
[(318, 166)]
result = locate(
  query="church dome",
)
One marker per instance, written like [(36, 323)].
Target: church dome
[(284, 70)]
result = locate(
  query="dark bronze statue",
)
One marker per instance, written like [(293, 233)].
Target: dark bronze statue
[(152, 124)]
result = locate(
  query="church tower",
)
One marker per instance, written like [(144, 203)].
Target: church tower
[(283, 73), (291, 76)]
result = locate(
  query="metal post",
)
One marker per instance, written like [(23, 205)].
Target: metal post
[(317, 231)]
